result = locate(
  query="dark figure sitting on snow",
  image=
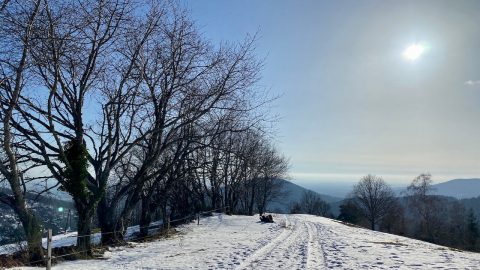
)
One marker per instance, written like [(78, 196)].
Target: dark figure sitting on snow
[(266, 218)]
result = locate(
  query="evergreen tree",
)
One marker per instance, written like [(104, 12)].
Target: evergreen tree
[(349, 212), (473, 231)]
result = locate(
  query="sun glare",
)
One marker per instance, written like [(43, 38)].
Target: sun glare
[(413, 51)]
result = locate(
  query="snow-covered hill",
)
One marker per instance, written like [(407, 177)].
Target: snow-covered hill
[(293, 242)]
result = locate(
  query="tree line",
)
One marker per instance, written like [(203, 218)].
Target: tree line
[(124, 105), (417, 213)]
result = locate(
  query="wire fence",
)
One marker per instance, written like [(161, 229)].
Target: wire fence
[(100, 247)]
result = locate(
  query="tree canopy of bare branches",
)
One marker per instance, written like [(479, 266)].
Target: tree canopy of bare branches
[(374, 198), (124, 105), (16, 29)]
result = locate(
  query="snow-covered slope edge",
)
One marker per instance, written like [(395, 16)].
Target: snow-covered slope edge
[(70, 239), (306, 242)]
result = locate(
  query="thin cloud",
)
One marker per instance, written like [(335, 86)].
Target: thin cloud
[(472, 83)]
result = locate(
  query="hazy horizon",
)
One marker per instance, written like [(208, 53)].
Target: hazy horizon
[(351, 104)]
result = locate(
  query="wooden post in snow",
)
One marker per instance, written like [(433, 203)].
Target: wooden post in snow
[(49, 249)]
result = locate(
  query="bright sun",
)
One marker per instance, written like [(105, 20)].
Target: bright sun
[(413, 51)]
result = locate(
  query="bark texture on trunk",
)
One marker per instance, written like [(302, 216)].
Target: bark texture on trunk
[(84, 227)]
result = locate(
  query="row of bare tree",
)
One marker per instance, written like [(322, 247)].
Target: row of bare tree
[(311, 203), (418, 213), (124, 104)]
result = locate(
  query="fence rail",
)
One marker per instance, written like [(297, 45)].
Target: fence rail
[(49, 257)]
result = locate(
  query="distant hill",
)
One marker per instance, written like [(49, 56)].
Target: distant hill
[(293, 193), (46, 199), (459, 188), (333, 188), (47, 209), (466, 190), (456, 188)]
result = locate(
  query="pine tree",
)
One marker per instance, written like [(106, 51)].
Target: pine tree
[(473, 231), (349, 212)]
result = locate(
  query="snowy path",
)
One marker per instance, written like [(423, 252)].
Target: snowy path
[(297, 247), (307, 242)]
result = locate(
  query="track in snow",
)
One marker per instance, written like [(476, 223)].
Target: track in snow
[(316, 255), (297, 247), (309, 242)]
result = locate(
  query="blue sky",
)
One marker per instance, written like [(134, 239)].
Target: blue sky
[(350, 103)]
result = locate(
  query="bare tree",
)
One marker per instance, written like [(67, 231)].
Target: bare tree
[(184, 81), (426, 207), (312, 204), (83, 57), (16, 27), (273, 167), (126, 108), (374, 198)]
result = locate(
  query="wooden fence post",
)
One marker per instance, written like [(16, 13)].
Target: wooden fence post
[(49, 249), (168, 226)]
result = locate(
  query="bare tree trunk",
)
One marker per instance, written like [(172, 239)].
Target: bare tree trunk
[(12, 171), (252, 199), (84, 227), (111, 234), (31, 228), (33, 237), (145, 216), (261, 206)]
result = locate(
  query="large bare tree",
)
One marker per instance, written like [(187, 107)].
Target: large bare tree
[(374, 197), (184, 80), (127, 104), (80, 115), (17, 21), (426, 207)]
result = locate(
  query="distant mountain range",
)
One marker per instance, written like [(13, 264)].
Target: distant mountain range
[(465, 190), (459, 188), (293, 193), (456, 188)]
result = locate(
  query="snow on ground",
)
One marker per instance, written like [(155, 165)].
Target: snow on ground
[(307, 242), (68, 239)]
